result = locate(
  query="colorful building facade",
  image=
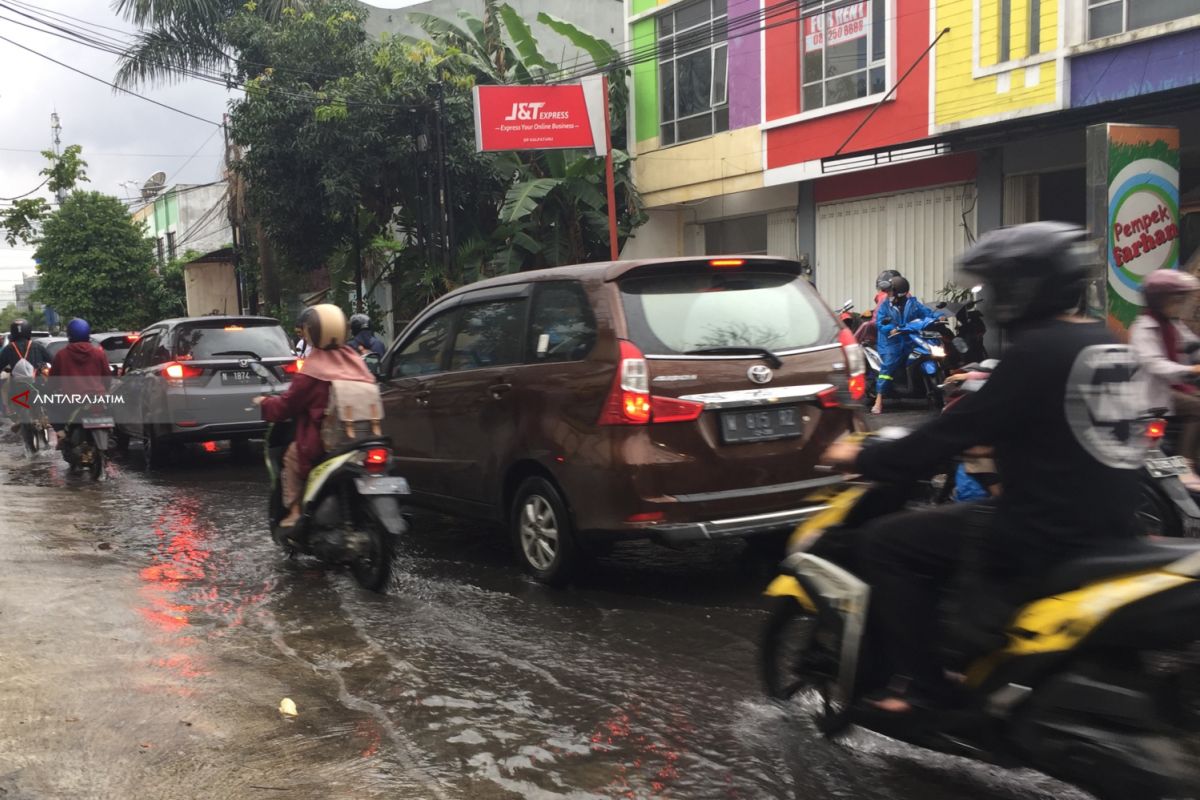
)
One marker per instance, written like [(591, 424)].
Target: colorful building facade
[(859, 136)]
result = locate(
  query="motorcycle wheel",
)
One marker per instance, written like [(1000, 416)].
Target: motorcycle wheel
[(934, 394), (373, 568), (96, 468), (1155, 514), (29, 438), (792, 660)]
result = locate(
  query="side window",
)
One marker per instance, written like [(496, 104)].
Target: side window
[(139, 357), (561, 327), (489, 335), (422, 355), (131, 358), (157, 351)]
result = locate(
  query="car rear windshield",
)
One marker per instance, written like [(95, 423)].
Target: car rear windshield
[(685, 312), (116, 348), (238, 339)]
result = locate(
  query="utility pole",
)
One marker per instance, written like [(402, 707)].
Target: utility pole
[(234, 228), (56, 134)]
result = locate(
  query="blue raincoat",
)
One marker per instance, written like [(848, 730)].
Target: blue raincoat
[(894, 350)]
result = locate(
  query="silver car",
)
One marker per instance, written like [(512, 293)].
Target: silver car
[(189, 380)]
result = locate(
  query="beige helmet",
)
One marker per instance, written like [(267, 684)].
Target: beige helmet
[(324, 326)]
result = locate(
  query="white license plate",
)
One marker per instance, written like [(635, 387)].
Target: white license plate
[(381, 485), (98, 422), (1166, 467), (238, 378)]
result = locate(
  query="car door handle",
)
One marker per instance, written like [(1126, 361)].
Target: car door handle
[(422, 397), (498, 390)]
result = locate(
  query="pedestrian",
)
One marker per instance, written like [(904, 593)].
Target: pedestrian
[(1164, 347), (893, 346)]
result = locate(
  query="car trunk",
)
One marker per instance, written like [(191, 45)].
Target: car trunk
[(214, 359), (758, 351)]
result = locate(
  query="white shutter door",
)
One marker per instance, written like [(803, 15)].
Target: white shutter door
[(851, 246), (781, 235), (918, 233)]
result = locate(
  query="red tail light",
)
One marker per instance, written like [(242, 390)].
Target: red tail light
[(630, 402), (376, 460), (1157, 429), (856, 364), (178, 372), (828, 398), (629, 399), (293, 367), (210, 447), (649, 516)]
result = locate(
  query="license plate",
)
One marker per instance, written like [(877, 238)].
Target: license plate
[(760, 424), (240, 378), (1167, 467), (381, 485), (98, 422)]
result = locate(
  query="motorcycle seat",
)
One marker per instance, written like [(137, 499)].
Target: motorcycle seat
[(1118, 558)]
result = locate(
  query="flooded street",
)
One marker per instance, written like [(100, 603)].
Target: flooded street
[(149, 630)]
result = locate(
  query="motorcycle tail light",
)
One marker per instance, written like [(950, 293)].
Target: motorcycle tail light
[(376, 460), (1156, 429)]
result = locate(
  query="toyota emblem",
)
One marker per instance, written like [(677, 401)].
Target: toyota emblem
[(243, 363), (760, 373)]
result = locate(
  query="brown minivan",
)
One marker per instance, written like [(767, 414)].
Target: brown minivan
[(676, 399)]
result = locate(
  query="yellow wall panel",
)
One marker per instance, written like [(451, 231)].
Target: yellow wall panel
[(960, 96)]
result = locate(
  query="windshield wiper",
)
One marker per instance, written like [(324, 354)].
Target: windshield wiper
[(766, 354)]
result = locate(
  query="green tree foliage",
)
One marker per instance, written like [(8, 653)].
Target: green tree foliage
[(95, 262), (22, 221)]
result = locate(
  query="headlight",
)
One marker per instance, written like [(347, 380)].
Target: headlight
[(937, 350)]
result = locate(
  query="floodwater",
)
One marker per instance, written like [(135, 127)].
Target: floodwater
[(149, 630)]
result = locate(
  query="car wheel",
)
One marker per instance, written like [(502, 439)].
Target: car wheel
[(154, 450), (543, 533)]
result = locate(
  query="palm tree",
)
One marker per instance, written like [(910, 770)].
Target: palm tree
[(179, 39)]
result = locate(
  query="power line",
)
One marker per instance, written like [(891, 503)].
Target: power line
[(107, 83)]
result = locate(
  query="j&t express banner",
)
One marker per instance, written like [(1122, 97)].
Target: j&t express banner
[(1141, 214)]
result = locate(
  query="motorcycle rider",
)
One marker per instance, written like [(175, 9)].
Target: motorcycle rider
[(307, 397), (1060, 411), (893, 314), (81, 364), (883, 287), (364, 341), (1162, 343), (22, 347)]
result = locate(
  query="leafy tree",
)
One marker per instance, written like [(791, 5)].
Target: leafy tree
[(10, 314), (95, 262), (22, 221)]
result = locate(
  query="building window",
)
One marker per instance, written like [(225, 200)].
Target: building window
[(1110, 17), (162, 262), (1005, 52), (1035, 27), (743, 236), (171, 245), (844, 51), (694, 71)]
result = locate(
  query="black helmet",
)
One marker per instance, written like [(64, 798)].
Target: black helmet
[(900, 285), (884, 282), (359, 322), (324, 326), (20, 329), (1034, 270)]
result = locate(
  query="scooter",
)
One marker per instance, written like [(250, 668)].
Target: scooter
[(85, 440), (923, 374), (351, 513), (1094, 681), (849, 317)]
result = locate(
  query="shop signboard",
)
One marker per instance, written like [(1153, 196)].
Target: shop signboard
[(1133, 204)]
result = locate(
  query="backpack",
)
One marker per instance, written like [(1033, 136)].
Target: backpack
[(354, 412), (23, 369)]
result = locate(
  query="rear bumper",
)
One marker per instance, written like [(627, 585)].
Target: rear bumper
[(735, 527), (221, 430)]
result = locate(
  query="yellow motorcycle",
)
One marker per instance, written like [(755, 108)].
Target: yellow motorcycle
[(1095, 681)]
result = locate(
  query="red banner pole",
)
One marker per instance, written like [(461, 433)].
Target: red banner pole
[(608, 174)]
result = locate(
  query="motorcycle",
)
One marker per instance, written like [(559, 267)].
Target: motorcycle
[(924, 372), (32, 425), (85, 440), (965, 342), (849, 317), (1093, 681), (351, 513)]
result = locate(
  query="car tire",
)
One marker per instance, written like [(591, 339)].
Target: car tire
[(154, 449), (542, 532)]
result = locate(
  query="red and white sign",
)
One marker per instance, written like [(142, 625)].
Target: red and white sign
[(843, 24), (540, 117)]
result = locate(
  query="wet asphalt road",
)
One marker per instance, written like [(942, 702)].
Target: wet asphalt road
[(149, 630)]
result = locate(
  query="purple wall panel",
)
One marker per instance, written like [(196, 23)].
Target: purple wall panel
[(1152, 65), (745, 76)]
